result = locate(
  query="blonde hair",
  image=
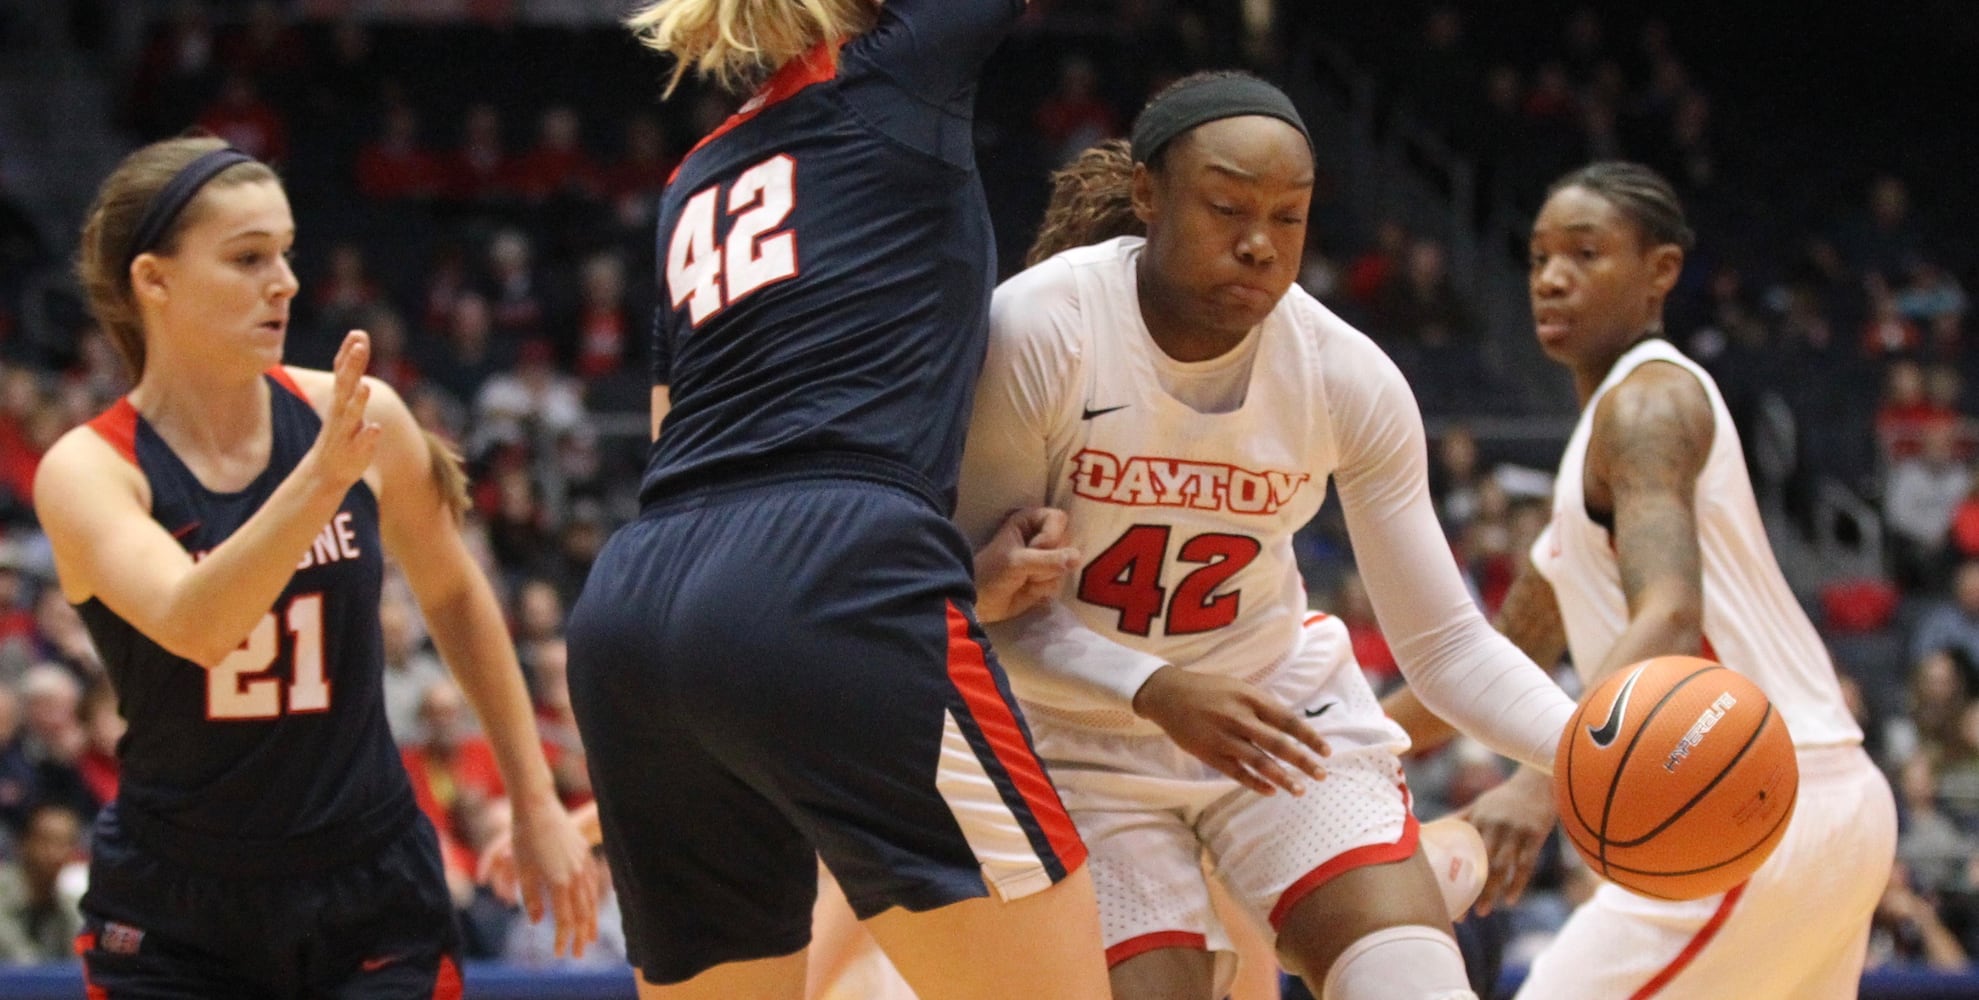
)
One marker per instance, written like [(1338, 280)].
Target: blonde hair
[(449, 472), (735, 43), (103, 262), (1092, 201)]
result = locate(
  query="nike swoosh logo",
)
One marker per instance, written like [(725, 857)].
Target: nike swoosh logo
[(1088, 413), (374, 964), (1314, 713), (1605, 735)]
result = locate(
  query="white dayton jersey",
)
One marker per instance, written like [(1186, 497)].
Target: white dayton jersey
[(1185, 484), (1752, 622)]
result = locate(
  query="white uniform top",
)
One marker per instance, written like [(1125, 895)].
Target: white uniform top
[(1752, 622), (1184, 519)]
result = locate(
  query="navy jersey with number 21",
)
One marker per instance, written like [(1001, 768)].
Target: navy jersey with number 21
[(826, 258)]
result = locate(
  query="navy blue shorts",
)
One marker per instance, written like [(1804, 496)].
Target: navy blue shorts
[(378, 929), (771, 672)]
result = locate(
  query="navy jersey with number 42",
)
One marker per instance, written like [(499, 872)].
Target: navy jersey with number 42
[(826, 258), (287, 737)]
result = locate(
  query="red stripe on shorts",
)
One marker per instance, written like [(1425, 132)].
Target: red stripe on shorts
[(86, 943), (1315, 618), (1697, 942), (1359, 857), (1150, 942), (446, 985), (970, 674)]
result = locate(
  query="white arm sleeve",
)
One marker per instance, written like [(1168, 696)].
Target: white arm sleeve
[(1457, 663), (1031, 381)]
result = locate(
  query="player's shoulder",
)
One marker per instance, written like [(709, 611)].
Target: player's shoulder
[(1048, 303)]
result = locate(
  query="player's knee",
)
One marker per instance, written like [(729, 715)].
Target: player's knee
[(1410, 962)]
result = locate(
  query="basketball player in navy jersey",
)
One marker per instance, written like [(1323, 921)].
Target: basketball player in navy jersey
[(222, 531), (777, 661)]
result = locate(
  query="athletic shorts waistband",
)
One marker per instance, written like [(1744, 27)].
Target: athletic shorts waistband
[(234, 857), (698, 484)]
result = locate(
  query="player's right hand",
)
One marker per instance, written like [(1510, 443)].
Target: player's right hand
[(345, 445), (1022, 565), (1233, 727), (1514, 819)]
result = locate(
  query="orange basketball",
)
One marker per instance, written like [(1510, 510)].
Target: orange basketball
[(1676, 778)]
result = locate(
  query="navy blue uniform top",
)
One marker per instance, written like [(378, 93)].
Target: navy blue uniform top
[(286, 741), (826, 259)]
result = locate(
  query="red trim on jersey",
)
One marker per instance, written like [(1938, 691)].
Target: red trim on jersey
[(281, 374), (118, 426), (1156, 940), (1316, 617), (1704, 644), (970, 674), (86, 943), (1340, 864), (1697, 942), (816, 66), (446, 985)]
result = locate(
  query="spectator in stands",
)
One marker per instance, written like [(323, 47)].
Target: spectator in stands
[(1940, 685), (539, 612), (558, 163), (1933, 847), (344, 84), (1370, 273), (549, 666), (248, 122), (411, 669), (102, 727), (1907, 929), (52, 737), (528, 404), (605, 324), (1456, 478), (515, 295), (1888, 333), (1920, 495), (396, 166), (390, 360), (1907, 410), (60, 636), (1884, 240), (1952, 623), (466, 355), (17, 785), (1074, 116), (269, 50), (174, 71), (447, 278), (645, 163), (518, 525), (453, 773), (479, 170), (39, 920), (345, 292), (1356, 611)]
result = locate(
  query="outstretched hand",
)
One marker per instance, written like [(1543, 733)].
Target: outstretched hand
[(345, 445), (1514, 819), (1022, 565), (1234, 727), (548, 863)]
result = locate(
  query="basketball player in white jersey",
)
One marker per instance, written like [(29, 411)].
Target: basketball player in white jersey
[(1186, 405), (1656, 547)]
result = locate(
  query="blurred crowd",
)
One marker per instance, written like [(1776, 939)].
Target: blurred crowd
[(479, 195)]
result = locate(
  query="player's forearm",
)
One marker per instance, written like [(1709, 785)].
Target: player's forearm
[(224, 596), (467, 629), (1662, 625), (1050, 645), (1427, 731)]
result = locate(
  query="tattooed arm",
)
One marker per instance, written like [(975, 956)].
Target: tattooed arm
[(1530, 617), (1652, 433)]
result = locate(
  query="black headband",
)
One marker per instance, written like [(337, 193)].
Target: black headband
[(1207, 100), (177, 194)]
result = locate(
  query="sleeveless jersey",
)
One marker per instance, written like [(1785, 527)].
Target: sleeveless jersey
[(286, 738), (826, 260), (1752, 622)]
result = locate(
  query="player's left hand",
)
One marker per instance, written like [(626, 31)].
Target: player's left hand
[(1514, 819), (1022, 564), (552, 860)]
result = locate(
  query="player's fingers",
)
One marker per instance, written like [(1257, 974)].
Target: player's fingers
[(1284, 747), (1285, 721), (1048, 528), (1238, 772), (1264, 765)]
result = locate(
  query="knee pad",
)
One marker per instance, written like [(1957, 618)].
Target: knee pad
[(1400, 963)]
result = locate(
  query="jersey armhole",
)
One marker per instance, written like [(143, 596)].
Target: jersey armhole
[(282, 377), (117, 426)]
